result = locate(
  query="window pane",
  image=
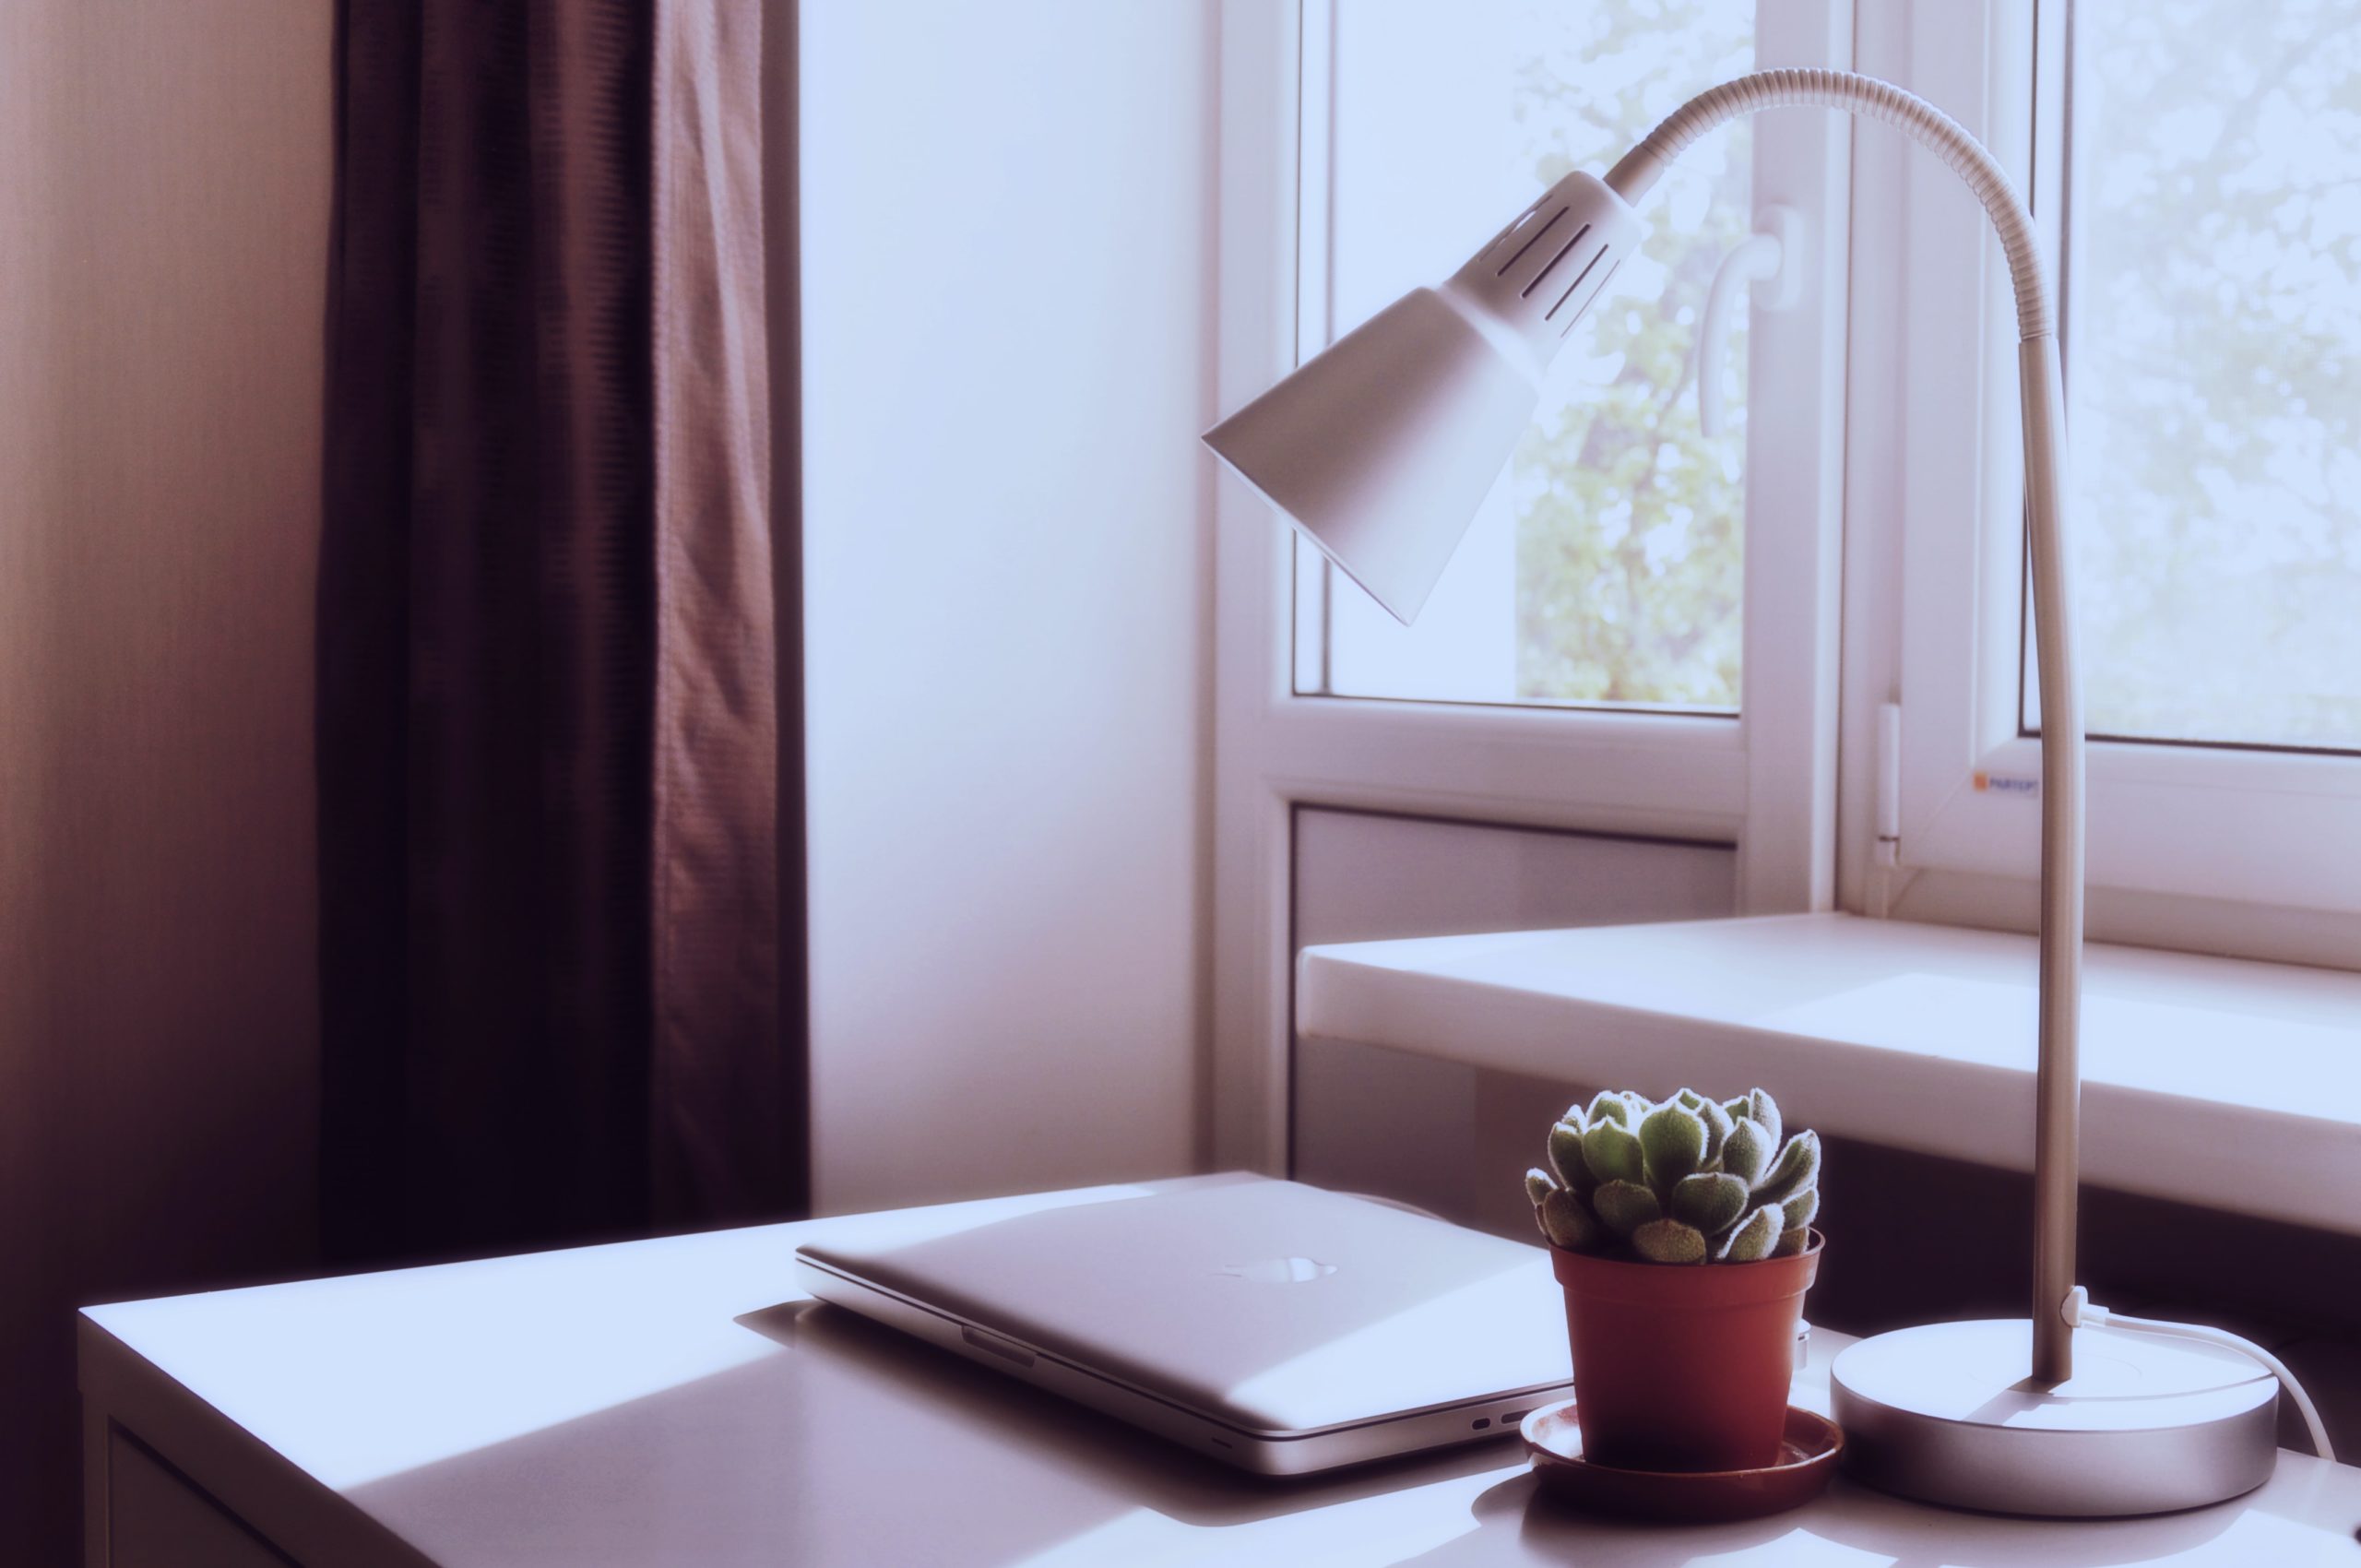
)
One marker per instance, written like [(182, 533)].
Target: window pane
[(1606, 564), (2212, 351)]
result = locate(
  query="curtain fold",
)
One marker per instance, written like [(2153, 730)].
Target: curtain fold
[(546, 703)]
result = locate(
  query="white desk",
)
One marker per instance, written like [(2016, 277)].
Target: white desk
[(678, 1403)]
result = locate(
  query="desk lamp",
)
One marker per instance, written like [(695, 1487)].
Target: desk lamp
[(1381, 449)]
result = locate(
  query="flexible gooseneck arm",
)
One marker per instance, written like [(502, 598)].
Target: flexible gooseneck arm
[(2059, 1085)]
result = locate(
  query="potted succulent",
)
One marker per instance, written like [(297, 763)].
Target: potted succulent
[(1681, 1231)]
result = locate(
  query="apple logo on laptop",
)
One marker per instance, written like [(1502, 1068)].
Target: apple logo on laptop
[(1279, 1271)]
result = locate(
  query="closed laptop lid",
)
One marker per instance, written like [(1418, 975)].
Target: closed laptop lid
[(1273, 1306)]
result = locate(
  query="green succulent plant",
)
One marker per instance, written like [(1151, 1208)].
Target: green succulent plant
[(1689, 1179)]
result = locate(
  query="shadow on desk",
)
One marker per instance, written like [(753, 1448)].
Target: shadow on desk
[(850, 1442), (1515, 1524)]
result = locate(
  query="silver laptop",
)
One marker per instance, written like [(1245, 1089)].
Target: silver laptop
[(1276, 1326)]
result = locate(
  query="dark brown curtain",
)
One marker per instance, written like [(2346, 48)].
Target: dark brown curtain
[(547, 727)]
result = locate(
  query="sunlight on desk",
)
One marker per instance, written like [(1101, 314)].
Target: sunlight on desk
[(458, 1358)]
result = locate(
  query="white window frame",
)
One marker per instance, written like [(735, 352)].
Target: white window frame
[(2228, 850), (1765, 782)]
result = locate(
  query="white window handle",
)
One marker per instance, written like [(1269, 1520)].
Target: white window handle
[(1772, 253)]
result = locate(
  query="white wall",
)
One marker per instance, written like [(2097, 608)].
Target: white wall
[(163, 225), (1006, 262)]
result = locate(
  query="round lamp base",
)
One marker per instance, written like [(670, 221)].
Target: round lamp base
[(1948, 1413)]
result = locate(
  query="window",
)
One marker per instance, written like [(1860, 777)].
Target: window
[(1370, 145), (2212, 351), (2198, 170), (1587, 579)]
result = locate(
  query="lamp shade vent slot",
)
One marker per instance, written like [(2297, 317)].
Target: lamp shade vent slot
[(1552, 315), (1516, 226), (1564, 250), (1532, 241), (1604, 279)]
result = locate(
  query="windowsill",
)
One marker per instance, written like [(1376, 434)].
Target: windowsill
[(2213, 1081)]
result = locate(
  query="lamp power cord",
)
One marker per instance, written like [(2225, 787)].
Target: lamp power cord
[(2081, 1312)]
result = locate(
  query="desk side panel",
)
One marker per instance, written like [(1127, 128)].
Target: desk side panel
[(123, 1393), (156, 1519)]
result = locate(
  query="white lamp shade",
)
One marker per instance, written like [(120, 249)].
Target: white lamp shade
[(1383, 447)]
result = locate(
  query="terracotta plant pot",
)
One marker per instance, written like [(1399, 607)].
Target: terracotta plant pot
[(1684, 1367)]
